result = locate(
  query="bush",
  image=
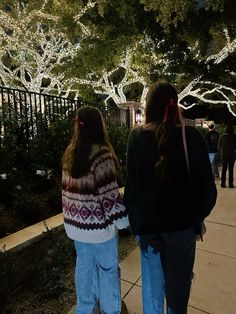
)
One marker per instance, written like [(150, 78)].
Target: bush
[(46, 149), (9, 222), (49, 281), (30, 207), (54, 198), (119, 139), (58, 243), (39, 267), (6, 190), (8, 273), (43, 180)]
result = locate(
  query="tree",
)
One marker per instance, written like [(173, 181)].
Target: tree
[(34, 53), (113, 83), (180, 50), (122, 46)]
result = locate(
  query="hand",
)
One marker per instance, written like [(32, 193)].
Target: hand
[(203, 231)]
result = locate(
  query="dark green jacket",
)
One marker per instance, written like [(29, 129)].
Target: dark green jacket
[(154, 207), (227, 147)]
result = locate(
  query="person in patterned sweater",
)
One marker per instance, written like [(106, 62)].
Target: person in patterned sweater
[(93, 212)]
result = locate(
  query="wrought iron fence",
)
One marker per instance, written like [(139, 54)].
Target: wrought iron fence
[(25, 111), (26, 117)]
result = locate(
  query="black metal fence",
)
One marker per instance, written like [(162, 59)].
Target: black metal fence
[(26, 110), (28, 122)]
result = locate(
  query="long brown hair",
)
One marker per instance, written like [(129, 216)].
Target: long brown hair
[(89, 129), (162, 110)]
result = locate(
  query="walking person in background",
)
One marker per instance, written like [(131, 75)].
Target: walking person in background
[(228, 155), (166, 202), (93, 211), (212, 138)]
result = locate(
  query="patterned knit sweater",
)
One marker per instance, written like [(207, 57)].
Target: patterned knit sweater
[(92, 206)]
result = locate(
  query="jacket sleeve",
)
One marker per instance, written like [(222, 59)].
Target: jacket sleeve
[(108, 193), (202, 181)]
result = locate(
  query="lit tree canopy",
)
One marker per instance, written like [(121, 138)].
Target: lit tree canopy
[(114, 47), (34, 51)]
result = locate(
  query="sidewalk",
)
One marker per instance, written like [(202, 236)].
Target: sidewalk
[(214, 288)]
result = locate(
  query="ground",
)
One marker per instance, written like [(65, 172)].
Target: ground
[(45, 282)]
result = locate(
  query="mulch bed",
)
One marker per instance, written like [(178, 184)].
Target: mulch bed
[(40, 278)]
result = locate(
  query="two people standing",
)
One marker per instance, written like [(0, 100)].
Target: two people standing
[(222, 147), (169, 192)]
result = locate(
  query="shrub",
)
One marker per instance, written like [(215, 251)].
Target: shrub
[(47, 148), (8, 273), (49, 281), (43, 180), (6, 189), (39, 267), (9, 222), (54, 198), (119, 138), (28, 206), (58, 243)]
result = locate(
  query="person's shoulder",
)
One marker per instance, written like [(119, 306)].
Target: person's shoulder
[(136, 131), (135, 134), (194, 134), (193, 131)]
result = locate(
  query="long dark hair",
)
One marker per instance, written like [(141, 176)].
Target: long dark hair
[(89, 129), (162, 110)]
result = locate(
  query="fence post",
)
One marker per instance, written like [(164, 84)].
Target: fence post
[(128, 117)]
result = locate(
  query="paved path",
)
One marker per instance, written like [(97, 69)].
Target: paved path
[(214, 288)]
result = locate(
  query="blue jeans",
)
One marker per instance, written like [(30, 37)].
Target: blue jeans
[(214, 163), (168, 273), (153, 287), (97, 277)]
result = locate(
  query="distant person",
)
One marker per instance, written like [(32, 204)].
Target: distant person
[(212, 138), (166, 202), (228, 155), (93, 211)]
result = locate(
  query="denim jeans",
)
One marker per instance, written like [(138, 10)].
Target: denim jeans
[(153, 287), (97, 277), (168, 273), (177, 256), (214, 163)]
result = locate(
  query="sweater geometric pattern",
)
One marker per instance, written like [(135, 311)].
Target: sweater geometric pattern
[(92, 206)]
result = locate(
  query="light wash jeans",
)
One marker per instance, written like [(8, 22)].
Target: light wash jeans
[(214, 160), (169, 275), (153, 287), (97, 277)]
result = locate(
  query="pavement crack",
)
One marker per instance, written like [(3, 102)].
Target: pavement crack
[(216, 253), (220, 223)]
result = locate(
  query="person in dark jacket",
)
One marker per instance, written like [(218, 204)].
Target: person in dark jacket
[(228, 155), (166, 203)]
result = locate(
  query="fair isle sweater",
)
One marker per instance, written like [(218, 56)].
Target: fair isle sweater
[(92, 207)]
